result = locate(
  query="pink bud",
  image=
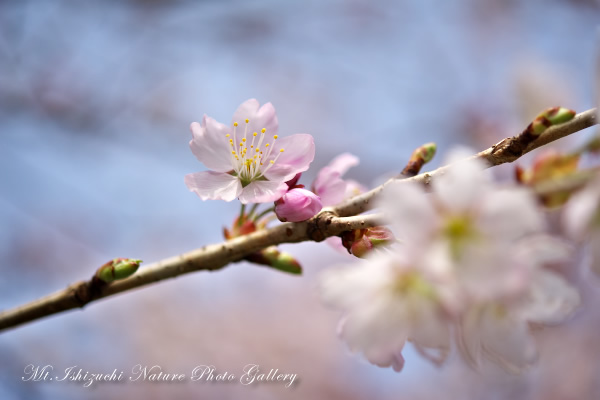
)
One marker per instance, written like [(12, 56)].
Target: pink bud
[(360, 242), (297, 205)]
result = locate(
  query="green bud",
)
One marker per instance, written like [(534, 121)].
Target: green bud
[(287, 263), (276, 259), (558, 115), (118, 268), (539, 125), (419, 157), (427, 151), (550, 117)]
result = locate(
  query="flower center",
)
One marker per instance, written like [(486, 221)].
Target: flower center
[(413, 283), (251, 162), (459, 230)]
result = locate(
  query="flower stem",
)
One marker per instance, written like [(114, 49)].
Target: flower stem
[(252, 210), (241, 218), (265, 212)]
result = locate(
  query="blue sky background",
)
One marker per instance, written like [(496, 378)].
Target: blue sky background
[(95, 103)]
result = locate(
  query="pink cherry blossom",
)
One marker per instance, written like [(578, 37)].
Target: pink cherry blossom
[(329, 184), (297, 205), (247, 160)]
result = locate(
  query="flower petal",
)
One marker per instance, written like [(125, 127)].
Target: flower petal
[(299, 152), (506, 340), (410, 212), (462, 186), (343, 163), (259, 118), (330, 186), (210, 146), (508, 214), (262, 192), (551, 299), (214, 185)]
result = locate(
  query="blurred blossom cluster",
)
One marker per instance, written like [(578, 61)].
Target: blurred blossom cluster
[(469, 270)]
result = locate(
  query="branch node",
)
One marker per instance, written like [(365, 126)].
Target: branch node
[(317, 227)]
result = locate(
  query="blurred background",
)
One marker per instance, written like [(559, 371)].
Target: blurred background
[(95, 103)]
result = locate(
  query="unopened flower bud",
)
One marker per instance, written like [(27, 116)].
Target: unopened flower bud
[(241, 226), (276, 259), (359, 242), (558, 115), (548, 118), (418, 158), (297, 205), (118, 268)]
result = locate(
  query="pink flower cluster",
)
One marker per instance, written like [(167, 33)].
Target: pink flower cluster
[(248, 161)]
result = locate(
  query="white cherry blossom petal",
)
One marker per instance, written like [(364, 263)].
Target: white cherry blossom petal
[(209, 145), (409, 211), (299, 152), (258, 118), (213, 185), (262, 192), (498, 210), (461, 187), (551, 299)]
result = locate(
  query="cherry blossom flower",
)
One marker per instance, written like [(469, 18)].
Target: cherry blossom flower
[(330, 186), (464, 227), (386, 302), (247, 160), (297, 205), (498, 330), (470, 260)]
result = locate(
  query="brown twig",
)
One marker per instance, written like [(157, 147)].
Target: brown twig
[(208, 258), (329, 222), (501, 153)]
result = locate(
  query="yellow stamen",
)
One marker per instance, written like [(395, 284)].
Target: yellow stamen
[(275, 137), (247, 120), (235, 124), (263, 130)]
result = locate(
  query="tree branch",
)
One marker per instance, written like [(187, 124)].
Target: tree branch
[(500, 153), (329, 222)]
